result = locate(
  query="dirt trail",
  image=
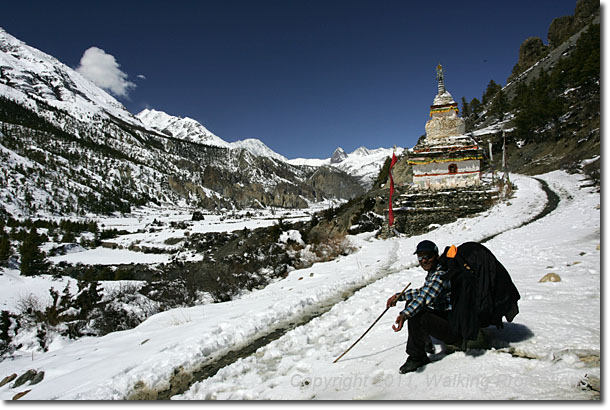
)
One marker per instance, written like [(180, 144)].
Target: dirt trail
[(552, 201)]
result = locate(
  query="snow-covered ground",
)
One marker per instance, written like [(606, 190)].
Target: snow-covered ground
[(146, 227), (557, 330)]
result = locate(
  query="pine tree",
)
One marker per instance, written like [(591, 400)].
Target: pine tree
[(465, 108), (537, 105), (475, 106), (5, 250), (522, 95), (492, 90), (89, 296), (384, 173), (33, 260), (68, 237), (589, 70), (499, 105)]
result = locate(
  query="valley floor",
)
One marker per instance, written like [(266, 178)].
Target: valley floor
[(549, 352)]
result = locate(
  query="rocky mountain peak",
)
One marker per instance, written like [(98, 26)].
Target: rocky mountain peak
[(362, 152), (338, 156)]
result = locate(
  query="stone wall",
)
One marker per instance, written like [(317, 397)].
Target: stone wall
[(417, 213)]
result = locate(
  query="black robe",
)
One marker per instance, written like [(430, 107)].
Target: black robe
[(482, 292)]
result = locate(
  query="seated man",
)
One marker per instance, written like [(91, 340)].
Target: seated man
[(427, 309)]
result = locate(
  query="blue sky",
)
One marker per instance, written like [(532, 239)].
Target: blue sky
[(304, 77)]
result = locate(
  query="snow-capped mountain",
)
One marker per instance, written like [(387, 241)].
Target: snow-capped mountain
[(362, 163), (257, 147), (338, 156), (68, 147), (182, 128), (30, 77), (191, 130)]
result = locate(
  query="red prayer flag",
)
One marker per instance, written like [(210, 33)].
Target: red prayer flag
[(391, 214)]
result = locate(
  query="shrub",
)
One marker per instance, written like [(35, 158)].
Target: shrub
[(86, 313), (114, 316), (328, 250), (9, 325)]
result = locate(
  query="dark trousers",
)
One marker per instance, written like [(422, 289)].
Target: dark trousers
[(428, 323)]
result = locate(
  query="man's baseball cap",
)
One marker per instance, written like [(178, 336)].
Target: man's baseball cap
[(426, 246)]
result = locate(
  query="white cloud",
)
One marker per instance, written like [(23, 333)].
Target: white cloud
[(103, 70), (141, 76)]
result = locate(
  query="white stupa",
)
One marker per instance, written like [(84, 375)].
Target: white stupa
[(446, 158)]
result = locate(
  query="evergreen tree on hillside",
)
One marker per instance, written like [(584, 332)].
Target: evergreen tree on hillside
[(467, 115), (491, 91), (33, 260), (542, 102), (520, 98), (537, 105), (465, 108), (89, 295), (499, 105), (5, 250), (475, 106), (384, 173), (582, 66), (68, 237)]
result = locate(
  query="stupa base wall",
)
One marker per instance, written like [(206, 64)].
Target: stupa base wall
[(420, 212), (447, 181)]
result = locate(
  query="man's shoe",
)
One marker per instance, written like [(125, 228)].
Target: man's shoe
[(413, 364), (482, 341), (429, 346), (452, 348)]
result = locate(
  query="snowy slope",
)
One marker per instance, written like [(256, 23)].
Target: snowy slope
[(30, 76), (191, 130), (182, 128), (257, 147), (85, 153), (559, 322)]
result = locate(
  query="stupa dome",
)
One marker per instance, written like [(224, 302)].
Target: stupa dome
[(443, 99)]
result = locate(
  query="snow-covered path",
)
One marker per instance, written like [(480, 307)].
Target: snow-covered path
[(558, 323)]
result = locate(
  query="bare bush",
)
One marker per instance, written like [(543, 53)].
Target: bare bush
[(28, 304), (328, 250)]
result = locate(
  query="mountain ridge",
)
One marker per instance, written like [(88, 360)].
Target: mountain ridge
[(69, 148)]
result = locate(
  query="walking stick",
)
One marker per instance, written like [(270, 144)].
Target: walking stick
[(367, 330)]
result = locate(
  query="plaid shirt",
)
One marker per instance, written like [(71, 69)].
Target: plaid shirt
[(434, 295)]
